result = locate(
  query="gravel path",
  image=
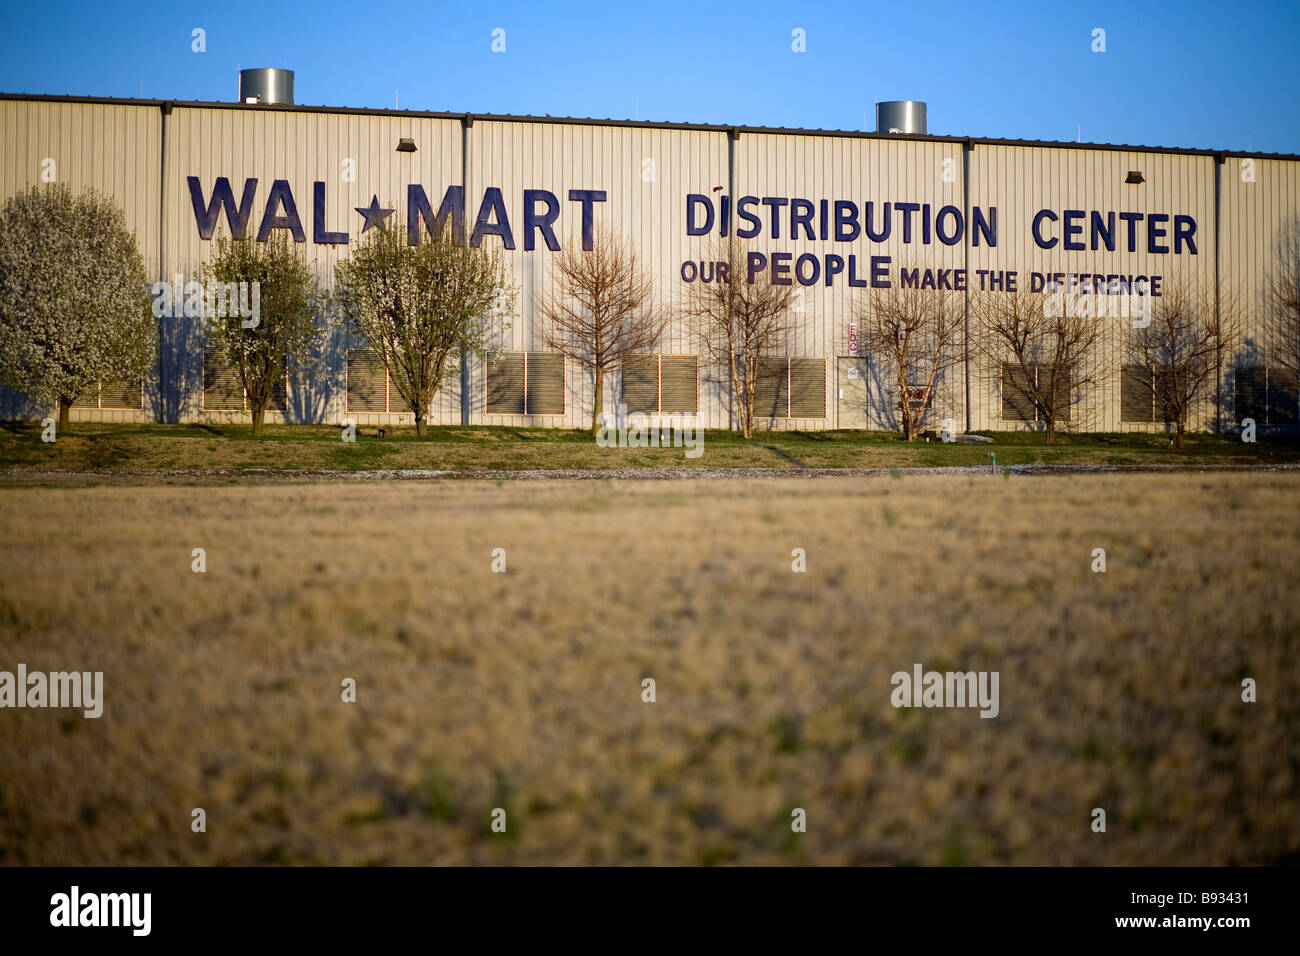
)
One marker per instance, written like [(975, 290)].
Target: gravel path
[(34, 476)]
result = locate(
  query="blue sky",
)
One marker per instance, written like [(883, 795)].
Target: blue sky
[(1195, 74)]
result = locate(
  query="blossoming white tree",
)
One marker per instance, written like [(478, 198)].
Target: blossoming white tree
[(74, 303)]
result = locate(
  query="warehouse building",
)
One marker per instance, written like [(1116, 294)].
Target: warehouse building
[(833, 213)]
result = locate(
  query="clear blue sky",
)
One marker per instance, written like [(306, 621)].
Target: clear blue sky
[(1194, 74)]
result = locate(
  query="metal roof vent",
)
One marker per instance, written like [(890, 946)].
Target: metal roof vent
[(901, 116), (266, 85)]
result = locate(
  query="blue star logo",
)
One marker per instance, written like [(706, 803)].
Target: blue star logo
[(373, 214)]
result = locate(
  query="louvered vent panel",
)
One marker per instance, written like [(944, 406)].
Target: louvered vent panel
[(1136, 400), (1016, 405), (505, 383), (1282, 397), (123, 396), (807, 388), (367, 379), (1250, 391), (641, 383), (545, 384), (222, 390), (679, 384), (771, 389)]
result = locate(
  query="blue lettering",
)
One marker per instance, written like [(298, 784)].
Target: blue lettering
[(493, 204), (1184, 229), (1071, 229), (801, 214), (1038, 236), (987, 227), (949, 239), (318, 233), (418, 208), (587, 197), (907, 208), (533, 221), (816, 269), (205, 215), (693, 200), (1103, 230), (846, 221), (1154, 233), (775, 203), (281, 196), (781, 268), (755, 224), (886, 224)]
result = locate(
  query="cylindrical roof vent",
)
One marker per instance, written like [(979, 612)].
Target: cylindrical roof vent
[(901, 116), (266, 85)]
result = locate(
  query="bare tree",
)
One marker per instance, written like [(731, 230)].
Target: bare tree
[(421, 306), (601, 308), (915, 334), (1046, 343), (1282, 302), (742, 322), (1183, 347)]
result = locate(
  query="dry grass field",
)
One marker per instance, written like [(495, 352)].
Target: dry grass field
[(522, 690)]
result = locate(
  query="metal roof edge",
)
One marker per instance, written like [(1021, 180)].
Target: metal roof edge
[(643, 124)]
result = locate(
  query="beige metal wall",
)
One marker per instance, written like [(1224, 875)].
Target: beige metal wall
[(143, 158), (112, 148), (1021, 180), (645, 174), (1260, 198), (301, 148), (833, 167)]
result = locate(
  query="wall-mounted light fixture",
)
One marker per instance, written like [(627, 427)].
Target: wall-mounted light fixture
[(407, 145), (1134, 178)]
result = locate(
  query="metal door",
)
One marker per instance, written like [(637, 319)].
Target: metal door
[(851, 389)]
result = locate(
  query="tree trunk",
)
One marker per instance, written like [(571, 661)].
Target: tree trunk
[(423, 401), (599, 405), (65, 405), (1178, 434), (904, 409), (259, 414), (747, 408), (1051, 430)]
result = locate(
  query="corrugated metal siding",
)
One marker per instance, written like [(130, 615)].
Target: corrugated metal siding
[(647, 174), (303, 148), (1259, 198), (1019, 181), (113, 148), (825, 167)]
